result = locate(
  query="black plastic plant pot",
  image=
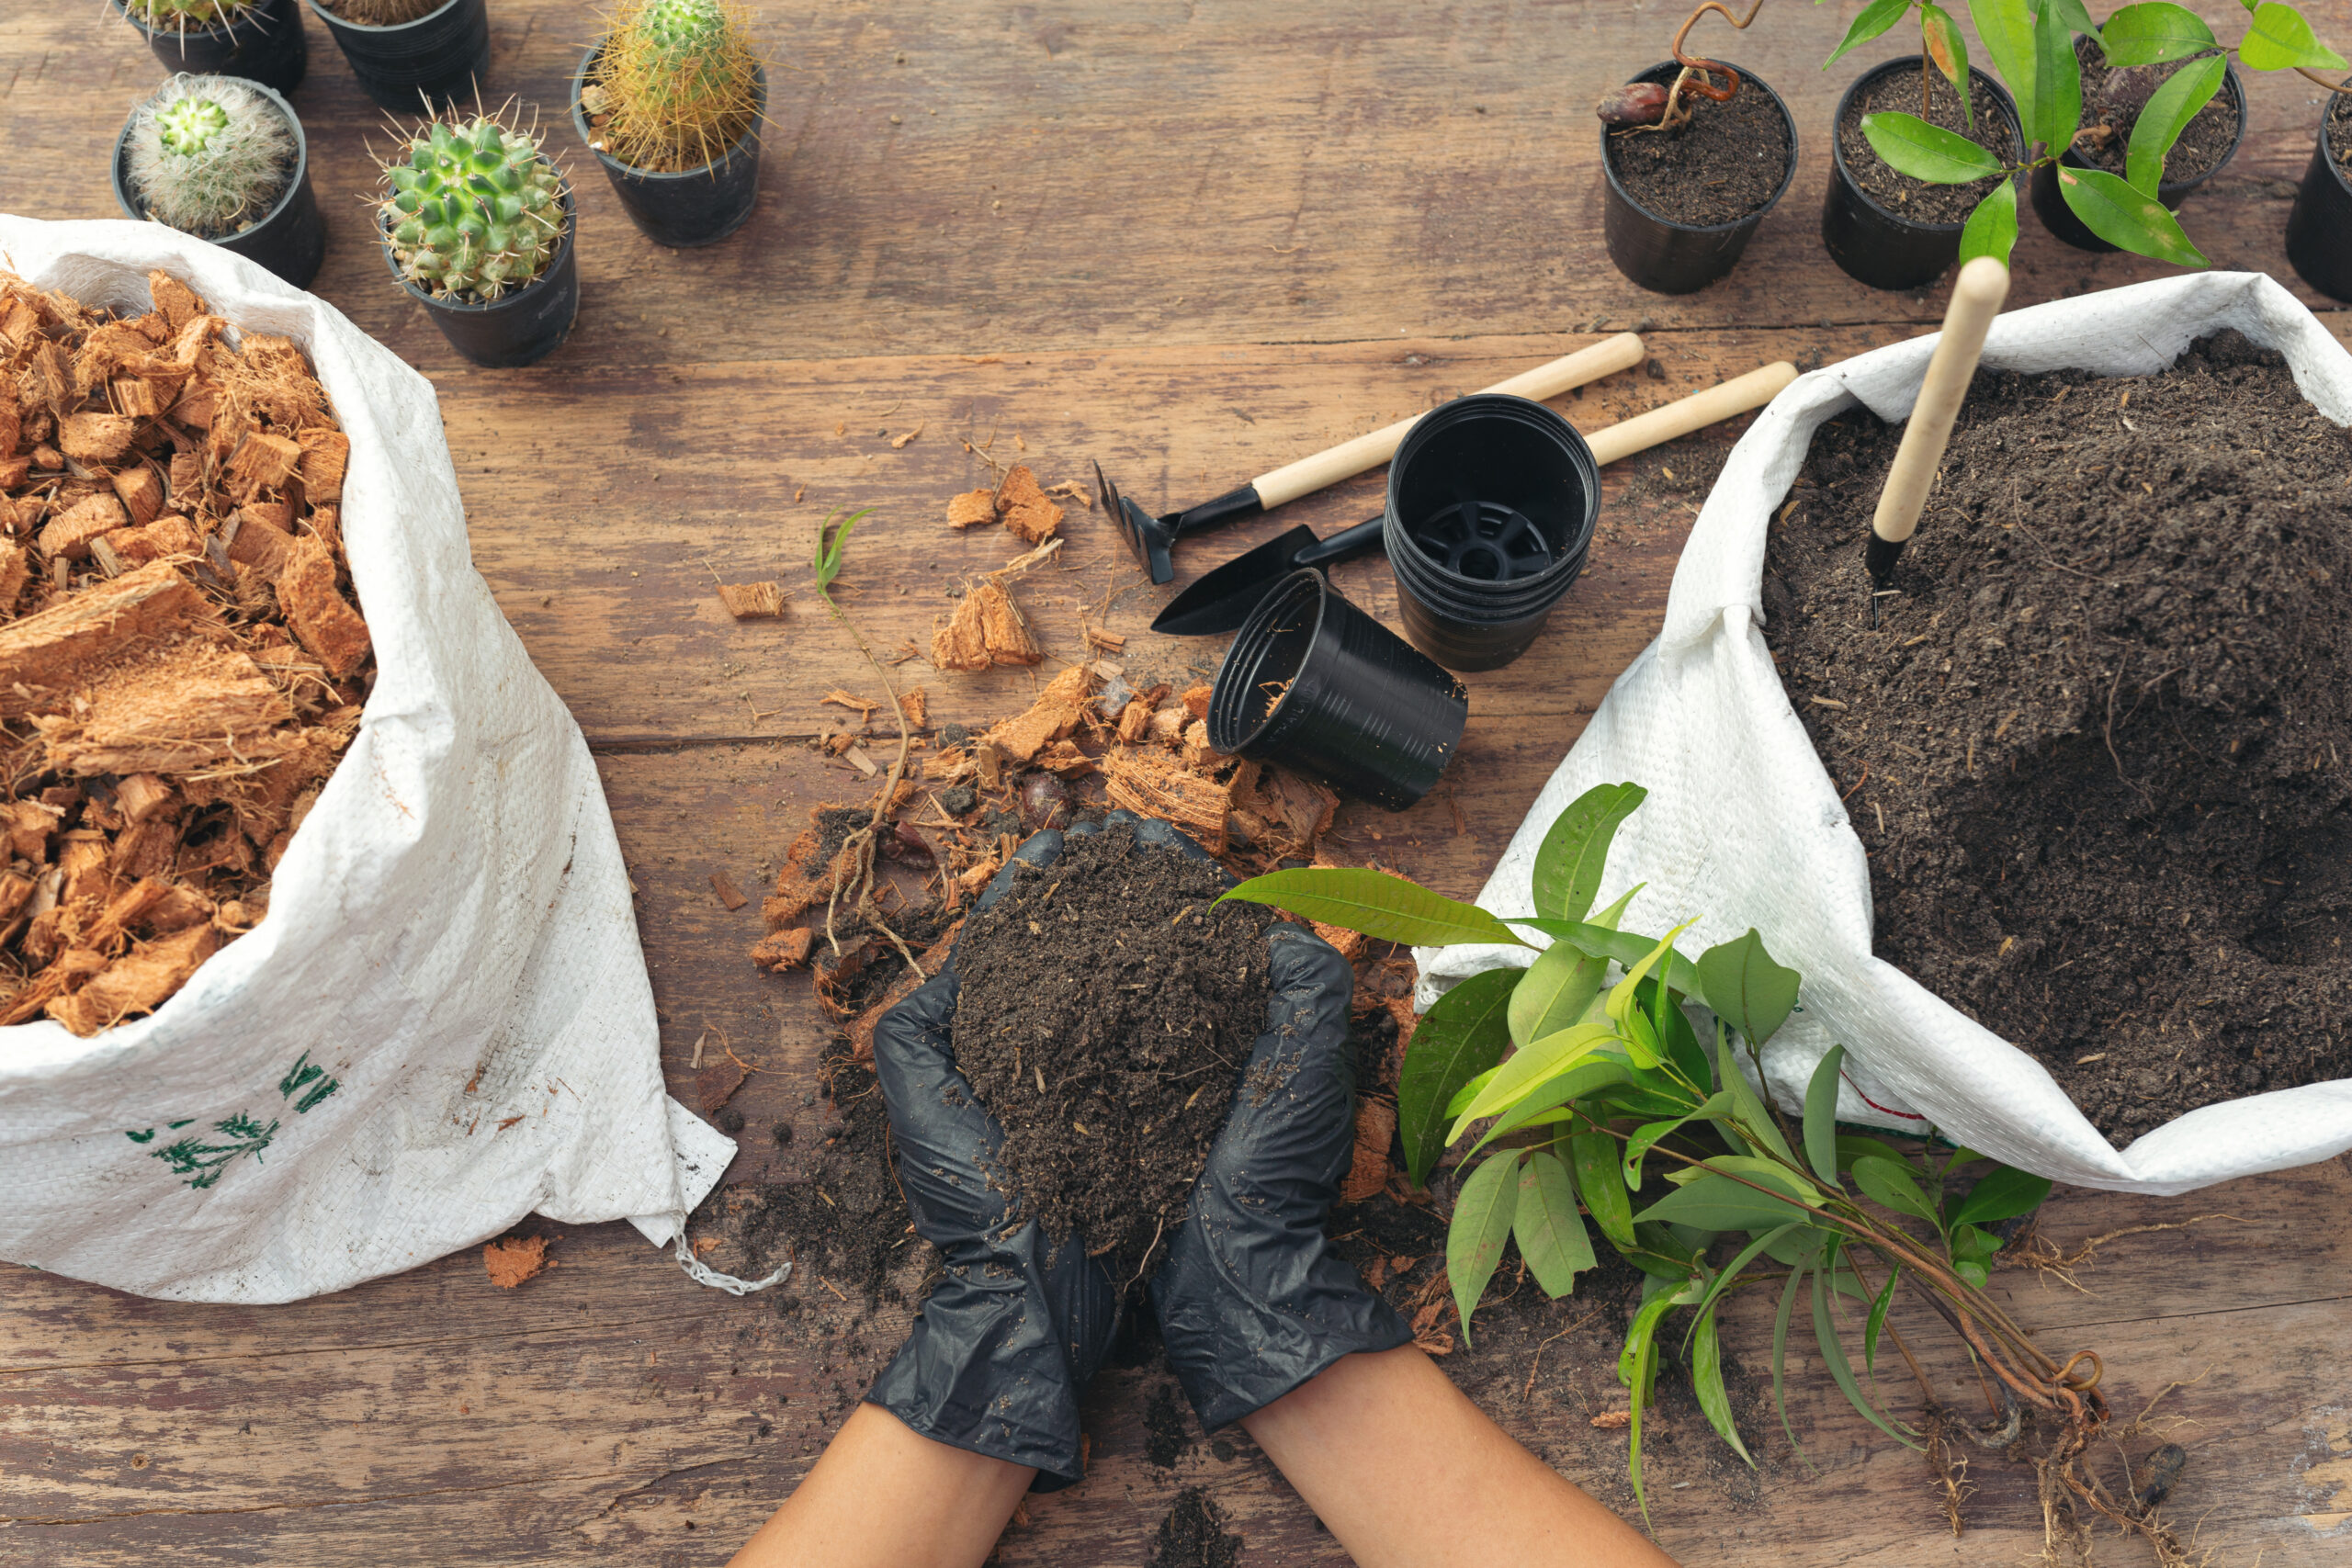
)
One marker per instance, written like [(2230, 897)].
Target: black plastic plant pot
[(515, 328), (699, 206), (1873, 245), (291, 238), (1316, 684), (443, 55), (265, 45), (1667, 257), (2049, 203), (1492, 502), (2319, 229)]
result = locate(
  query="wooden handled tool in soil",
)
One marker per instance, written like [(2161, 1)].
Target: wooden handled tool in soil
[(1151, 539), (1976, 296), (1220, 600)]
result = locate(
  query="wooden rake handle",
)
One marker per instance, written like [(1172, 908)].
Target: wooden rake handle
[(1352, 457), (1696, 412), (1976, 296)]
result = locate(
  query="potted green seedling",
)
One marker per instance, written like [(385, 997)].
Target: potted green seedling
[(404, 49), (258, 39), (226, 161), (1570, 1090), (477, 225), (669, 101), (1881, 222), (1694, 152)]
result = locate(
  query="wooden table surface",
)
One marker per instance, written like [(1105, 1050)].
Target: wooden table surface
[(1190, 241)]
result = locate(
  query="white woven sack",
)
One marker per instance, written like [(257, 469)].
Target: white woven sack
[(1743, 827), (444, 1023)]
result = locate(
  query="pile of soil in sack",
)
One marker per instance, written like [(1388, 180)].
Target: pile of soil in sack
[(1108, 1004), (2096, 740)]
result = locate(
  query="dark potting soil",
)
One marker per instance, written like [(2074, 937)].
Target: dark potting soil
[(2339, 128), (1916, 201), (2111, 104), (1719, 168), (2104, 721), (1107, 1004), (1193, 1535), (845, 1221)]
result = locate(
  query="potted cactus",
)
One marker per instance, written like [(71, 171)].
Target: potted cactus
[(670, 102), (226, 161), (402, 49), (478, 226), (258, 39)]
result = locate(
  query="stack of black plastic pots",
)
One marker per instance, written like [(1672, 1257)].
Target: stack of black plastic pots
[(1492, 502), (265, 45), (442, 58), (697, 207), (290, 239)]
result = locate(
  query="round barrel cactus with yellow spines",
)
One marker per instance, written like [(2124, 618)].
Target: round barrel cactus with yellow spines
[(678, 79), (189, 16), (472, 208)]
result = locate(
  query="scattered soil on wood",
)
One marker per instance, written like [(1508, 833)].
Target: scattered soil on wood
[(1166, 1437), (1911, 199), (1107, 1005), (2104, 721), (2111, 104), (1193, 1535), (1724, 165)]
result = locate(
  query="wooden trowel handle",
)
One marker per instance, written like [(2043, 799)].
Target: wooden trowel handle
[(1352, 457), (1976, 296), (1696, 412)]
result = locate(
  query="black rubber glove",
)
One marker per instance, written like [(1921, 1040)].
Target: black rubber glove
[(1015, 1326)]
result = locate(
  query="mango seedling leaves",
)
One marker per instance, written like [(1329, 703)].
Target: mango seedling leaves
[(1876, 17), (2152, 34), (2005, 29), (1628, 948), (1386, 907), (2076, 18), (1878, 1321), (1720, 1204), (1927, 152), (1707, 1382), (2127, 219), (1833, 1355), (1746, 988), (1574, 852), (1540, 1062), (2056, 107), (2279, 40), (1754, 1116), (1460, 1037), (1543, 1104), (1821, 1116), (2167, 113), (1474, 1242), (1551, 1233), (2003, 1195), (1646, 1136), (1555, 992), (1940, 35), (1800, 1265), (1992, 226), (1602, 1181), (1890, 1184)]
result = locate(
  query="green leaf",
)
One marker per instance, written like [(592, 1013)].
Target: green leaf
[(1646, 1137), (1543, 1104), (1890, 1184), (1551, 1233), (1878, 1321), (1574, 852), (2169, 109), (1821, 1116), (831, 540), (1930, 152), (1746, 988), (1719, 1203), (1659, 1252), (1530, 1068), (2003, 1194), (1623, 997), (2077, 16), (1602, 1181), (1974, 1244), (1755, 1246), (1474, 1242), (1461, 1035), (1939, 35), (1628, 948), (1643, 1331), (1797, 1270), (2152, 34), (2056, 108), (1753, 1168), (1876, 17), (1833, 1355), (1852, 1146), (1637, 1367), (1554, 993), (1992, 226), (2124, 217), (1975, 1274), (1675, 1038), (2279, 40), (2005, 29), (1707, 1382), (1386, 907), (1754, 1116)]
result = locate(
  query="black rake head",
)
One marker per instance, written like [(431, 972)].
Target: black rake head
[(1149, 538)]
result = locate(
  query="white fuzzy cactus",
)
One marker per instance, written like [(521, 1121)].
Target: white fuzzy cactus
[(208, 155)]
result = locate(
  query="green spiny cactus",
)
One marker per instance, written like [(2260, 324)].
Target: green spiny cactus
[(678, 79), (189, 16), (208, 155), (473, 210)]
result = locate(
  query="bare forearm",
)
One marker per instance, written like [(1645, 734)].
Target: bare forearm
[(1408, 1474), (882, 1495)]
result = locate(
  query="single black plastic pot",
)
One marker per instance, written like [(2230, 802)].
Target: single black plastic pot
[(2319, 229), (699, 206), (519, 328), (1492, 501), (443, 55), (1876, 246), (1316, 684), (290, 239), (2049, 203), (1669, 257), (265, 45)]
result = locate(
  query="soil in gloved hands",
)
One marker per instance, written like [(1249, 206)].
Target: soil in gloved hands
[(1107, 1003)]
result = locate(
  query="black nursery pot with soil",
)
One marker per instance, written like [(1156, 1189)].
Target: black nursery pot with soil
[(1681, 204), (265, 45), (290, 239), (1885, 228), (2111, 101), (2095, 745), (444, 55), (697, 207), (2319, 229), (518, 328)]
